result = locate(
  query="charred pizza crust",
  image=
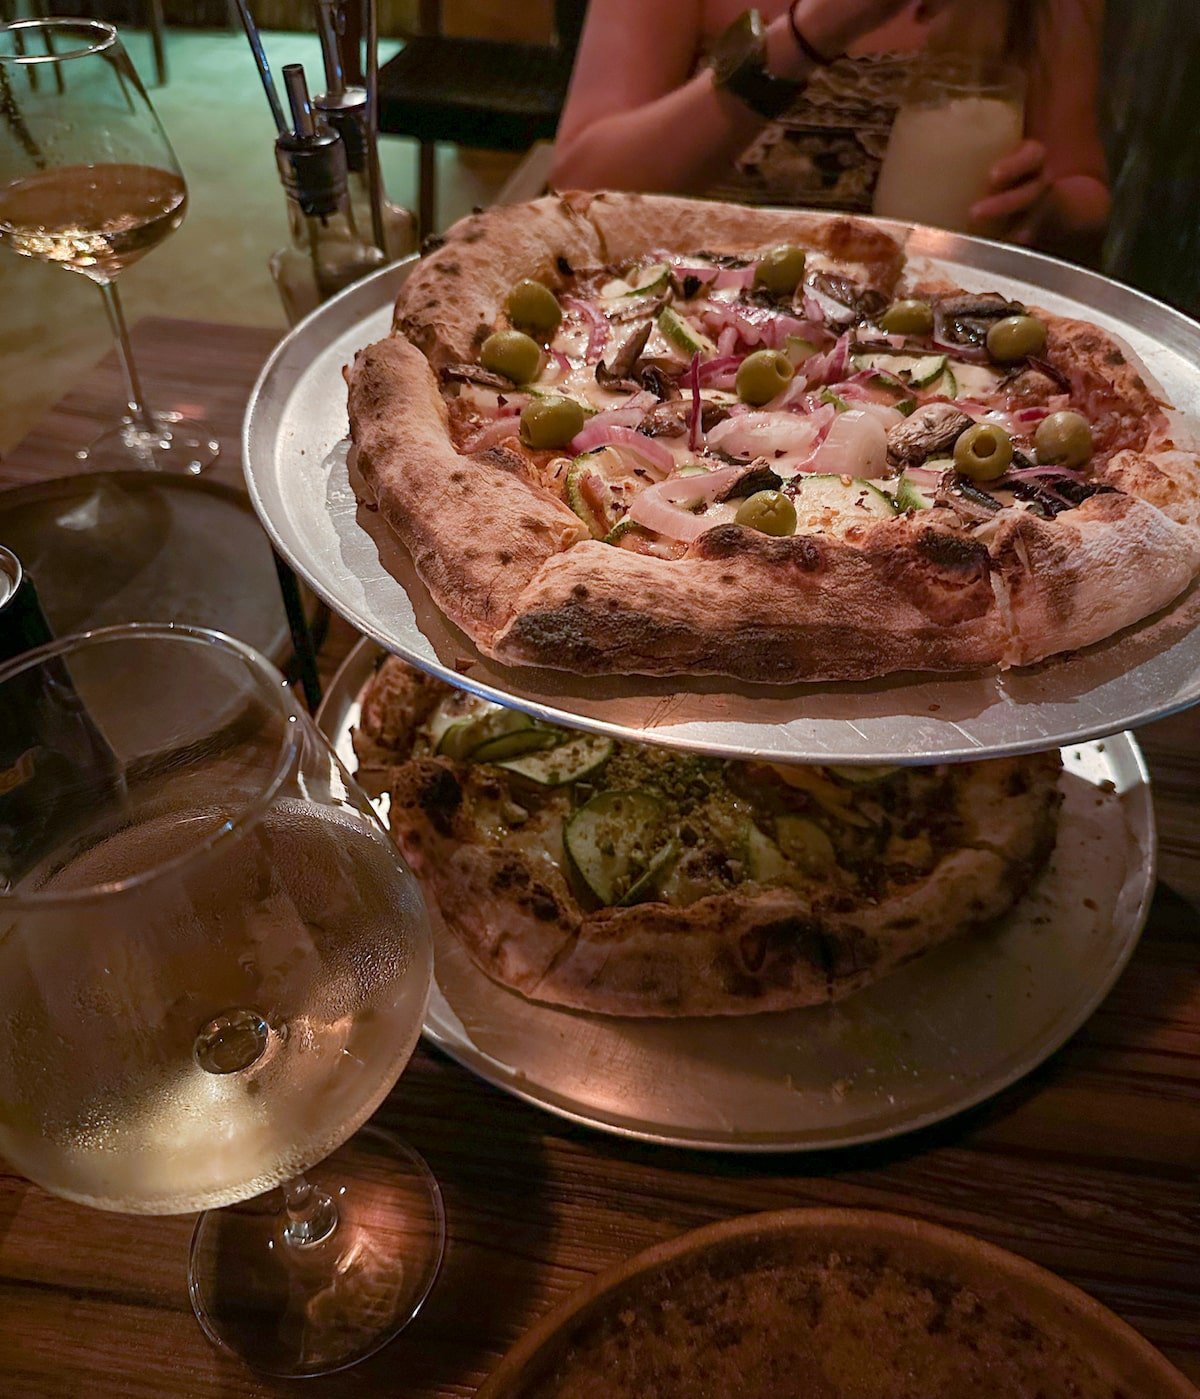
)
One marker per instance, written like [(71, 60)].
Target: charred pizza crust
[(512, 564), (754, 948)]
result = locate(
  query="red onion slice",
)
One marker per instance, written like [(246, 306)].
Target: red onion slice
[(596, 324), (658, 507), (813, 310), (829, 367), (740, 277), (1030, 473), (614, 435), (492, 434), (968, 354), (696, 416)]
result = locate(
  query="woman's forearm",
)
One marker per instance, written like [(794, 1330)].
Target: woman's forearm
[(681, 141)]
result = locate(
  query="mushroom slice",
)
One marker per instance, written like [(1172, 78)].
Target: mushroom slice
[(925, 432)]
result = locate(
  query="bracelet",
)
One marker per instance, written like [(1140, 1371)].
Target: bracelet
[(813, 54)]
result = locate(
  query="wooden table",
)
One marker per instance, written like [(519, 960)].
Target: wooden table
[(1088, 1167)]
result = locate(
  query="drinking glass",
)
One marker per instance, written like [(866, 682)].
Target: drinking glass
[(958, 117), (88, 180), (213, 966)]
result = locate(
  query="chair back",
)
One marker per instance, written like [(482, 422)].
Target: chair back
[(568, 23)]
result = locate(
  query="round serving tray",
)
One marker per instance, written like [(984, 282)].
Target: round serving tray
[(653, 1289), (934, 1038), (296, 471)]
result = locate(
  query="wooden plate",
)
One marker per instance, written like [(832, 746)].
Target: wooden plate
[(832, 1304)]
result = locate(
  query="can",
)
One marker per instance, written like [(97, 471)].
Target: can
[(23, 624), (55, 763)]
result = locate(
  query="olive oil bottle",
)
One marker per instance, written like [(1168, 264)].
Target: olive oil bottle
[(327, 250)]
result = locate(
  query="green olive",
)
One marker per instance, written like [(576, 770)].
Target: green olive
[(1063, 439), (550, 422), (762, 375), (983, 452), (779, 271), (533, 307), (907, 318), (1015, 337), (769, 512), (513, 354)]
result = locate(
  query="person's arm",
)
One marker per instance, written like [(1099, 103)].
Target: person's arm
[(635, 117), (1054, 188)]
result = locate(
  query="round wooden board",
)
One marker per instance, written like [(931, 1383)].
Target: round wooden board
[(923, 1253)]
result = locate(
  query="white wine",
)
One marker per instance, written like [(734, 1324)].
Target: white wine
[(91, 218), (217, 1028)]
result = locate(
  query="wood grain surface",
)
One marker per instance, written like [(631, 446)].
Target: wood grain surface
[(1090, 1167)]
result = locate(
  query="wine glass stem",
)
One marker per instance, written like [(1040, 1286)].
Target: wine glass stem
[(311, 1214), (133, 388)]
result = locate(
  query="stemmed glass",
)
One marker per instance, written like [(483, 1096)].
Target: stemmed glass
[(88, 180), (213, 967)]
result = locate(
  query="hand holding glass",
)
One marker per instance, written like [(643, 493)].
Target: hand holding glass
[(957, 120)]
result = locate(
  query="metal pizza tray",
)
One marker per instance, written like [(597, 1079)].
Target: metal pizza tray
[(934, 1038), (296, 471)]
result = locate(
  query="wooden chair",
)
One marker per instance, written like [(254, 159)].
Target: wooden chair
[(476, 92)]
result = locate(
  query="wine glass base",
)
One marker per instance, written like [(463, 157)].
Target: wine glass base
[(294, 1310), (175, 444)]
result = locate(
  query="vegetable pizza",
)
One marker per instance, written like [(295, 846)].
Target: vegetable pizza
[(628, 879), (622, 433)]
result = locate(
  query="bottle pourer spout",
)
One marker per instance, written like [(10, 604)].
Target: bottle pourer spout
[(297, 94)]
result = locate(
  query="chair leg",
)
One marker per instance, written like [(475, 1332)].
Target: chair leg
[(427, 188), (157, 38)]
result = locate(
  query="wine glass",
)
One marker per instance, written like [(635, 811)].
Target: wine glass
[(88, 180), (213, 966)]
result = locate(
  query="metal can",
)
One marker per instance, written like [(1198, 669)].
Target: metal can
[(23, 624), (54, 761)]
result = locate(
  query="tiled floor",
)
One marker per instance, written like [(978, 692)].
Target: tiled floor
[(52, 326)]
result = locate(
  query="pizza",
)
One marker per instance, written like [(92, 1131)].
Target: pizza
[(629, 879), (630, 434)]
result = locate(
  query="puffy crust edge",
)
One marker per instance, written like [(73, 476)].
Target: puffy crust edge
[(428, 493), (452, 298), (902, 595), (1080, 578)]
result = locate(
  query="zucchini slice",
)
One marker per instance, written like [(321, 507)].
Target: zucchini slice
[(601, 485), (656, 871), (971, 380), (918, 371), (658, 278), (511, 745), (798, 349), (612, 841), (765, 862), (863, 775), (460, 708), (566, 762), (497, 733), (909, 496), (838, 402), (829, 504), (682, 334), (804, 844)]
